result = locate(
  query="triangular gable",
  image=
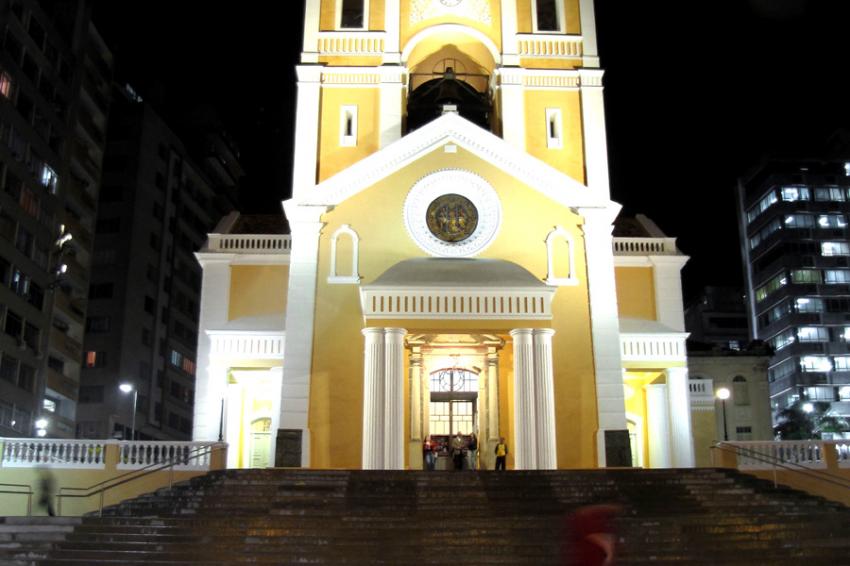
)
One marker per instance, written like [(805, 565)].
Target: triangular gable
[(452, 128)]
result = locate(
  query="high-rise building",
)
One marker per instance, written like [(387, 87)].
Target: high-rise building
[(718, 318), (156, 206), (55, 77), (793, 217)]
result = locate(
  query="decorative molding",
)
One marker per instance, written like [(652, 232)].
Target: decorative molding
[(423, 10), (451, 128), (540, 46), (653, 347), (249, 243), (246, 344), (445, 29), (645, 246), (463, 183), (453, 304), (352, 278), (551, 278)]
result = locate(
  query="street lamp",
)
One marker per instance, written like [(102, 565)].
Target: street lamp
[(41, 427), (723, 394), (127, 388), (808, 407)]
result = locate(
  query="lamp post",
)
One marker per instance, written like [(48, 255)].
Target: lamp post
[(723, 394), (127, 388)]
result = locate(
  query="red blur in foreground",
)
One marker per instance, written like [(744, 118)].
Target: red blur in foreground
[(589, 537)]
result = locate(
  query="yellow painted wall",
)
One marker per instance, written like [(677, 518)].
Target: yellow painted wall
[(493, 30), (635, 292), (570, 158), (257, 290), (376, 215), (333, 158)]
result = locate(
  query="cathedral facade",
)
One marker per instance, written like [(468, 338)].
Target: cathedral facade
[(452, 265)]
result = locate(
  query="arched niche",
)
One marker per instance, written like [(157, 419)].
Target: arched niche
[(345, 256), (560, 258)]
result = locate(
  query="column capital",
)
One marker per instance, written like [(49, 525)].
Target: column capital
[(395, 331), (543, 332), (372, 330), (521, 332)]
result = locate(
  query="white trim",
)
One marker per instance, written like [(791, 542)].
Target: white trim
[(306, 129), (588, 31), (456, 304), (348, 125), (465, 184), (562, 22), (352, 278), (392, 23), (551, 277), (338, 20), (593, 127), (653, 347), (312, 13), (509, 32), (536, 46), (452, 128), (246, 345), (447, 29), (554, 128), (352, 42)]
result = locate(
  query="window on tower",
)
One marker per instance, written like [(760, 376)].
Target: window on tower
[(548, 16), (352, 14)]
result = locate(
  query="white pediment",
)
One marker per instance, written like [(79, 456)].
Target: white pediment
[(453, 129)]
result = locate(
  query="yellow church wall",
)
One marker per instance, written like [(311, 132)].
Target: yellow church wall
[(569, 159), (635, 292), (350, 61), (336, 385), (535, 63), (572, 15), (327, 15), (377, 19), (493, 31), (257, 290), (702, 428), (333, 157)]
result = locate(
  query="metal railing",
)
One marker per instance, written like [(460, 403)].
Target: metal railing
[(29, 493), (774, 463), (102, 487)]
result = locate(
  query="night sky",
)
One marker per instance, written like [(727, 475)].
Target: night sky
[(696, 93)]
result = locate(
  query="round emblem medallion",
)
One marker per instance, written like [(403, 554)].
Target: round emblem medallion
[(452, 213), (450, 3), (452, 218)]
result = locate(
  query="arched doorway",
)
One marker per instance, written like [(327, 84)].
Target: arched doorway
[(453, 408), (260, 443)]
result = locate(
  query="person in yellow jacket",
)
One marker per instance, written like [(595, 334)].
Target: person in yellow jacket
[(501, 453)]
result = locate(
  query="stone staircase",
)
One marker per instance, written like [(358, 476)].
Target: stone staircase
[(696, 516)]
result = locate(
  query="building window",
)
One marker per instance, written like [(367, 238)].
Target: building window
[(823, 393), (352, 14), (98, 324), (9, 369), (740, 391), (792, 194), (14, 324), (548, 16), (554, 138), (761, 206), (793, 221), (343, 233), (806, 276), (815, 363), (101, 290), (813, 334), (176, 358), (348, 126), (784, 369), (807, 304), (836, 276), (782, 339), (773, 285), (49, 178), (95, 359), (834, 248), (5, 84), (833, 194), (831, 221), (150, 306), (841, 363)]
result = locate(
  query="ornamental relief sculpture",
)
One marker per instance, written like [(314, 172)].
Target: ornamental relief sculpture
[(478, 10)]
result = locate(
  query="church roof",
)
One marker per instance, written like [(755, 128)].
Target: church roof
[(457, 272)]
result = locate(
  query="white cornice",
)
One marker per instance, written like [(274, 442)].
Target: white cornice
[(451, 128)]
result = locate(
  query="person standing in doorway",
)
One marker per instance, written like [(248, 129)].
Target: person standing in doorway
[(501, 453), (428, 452), (472, 450), (458, 447)]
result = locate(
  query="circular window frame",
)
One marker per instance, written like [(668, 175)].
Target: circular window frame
[(463, 183)]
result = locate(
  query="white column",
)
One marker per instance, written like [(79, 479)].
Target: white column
[(593, 125), (394, 398), (512, 95), (306, 129), (588, 34), (658, 425), (305, 225), (310, 53), (492, 394), (233, 424), (392, 19), (509, 42), (415, 387), (667, 280), (211, 382), (525, 445), (373, 399), (391, 111), (604, 323), (544, 390), (681, 437)]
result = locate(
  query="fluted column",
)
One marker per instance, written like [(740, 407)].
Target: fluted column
[(544, 390), (525, 445), (658, 426), (415, 384), (394, 398), (493, 394), (373, 399), (679, 399)]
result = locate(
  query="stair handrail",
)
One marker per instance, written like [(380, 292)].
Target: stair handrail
[(816, 474), (102, 487), (29, 493)]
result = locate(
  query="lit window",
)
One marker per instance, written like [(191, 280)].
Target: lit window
[(49, 179), (841, 363), (834, 248), (799, 221), (836, 276), (806, 276), (792, 194), (761, 206), (833, 194), (348, 126), (815, 363), (812, 334), (176, 358), (548, 16), (95, 359), (5, 84), (188, 366), (352, 14), (782, 339), (844, 393), (774, 284), (806, 304), (553, 128), (49, 405), (831, 221), (821, 393)]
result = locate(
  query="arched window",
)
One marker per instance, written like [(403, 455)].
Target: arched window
[(560, 251), (338, 254), (740, 391)]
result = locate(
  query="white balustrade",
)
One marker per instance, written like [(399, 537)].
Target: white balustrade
[(185, 455), (756, 455), (645, 246), (265, 346), (702, 391), (250, 243), (652, 347), (549, 46), (457, 305), (368, 43), (56, 453)]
